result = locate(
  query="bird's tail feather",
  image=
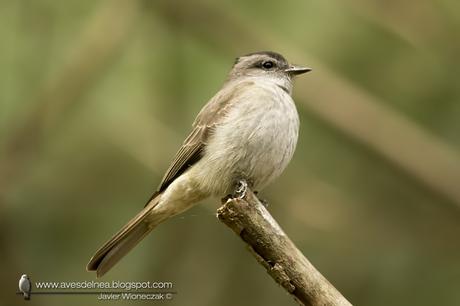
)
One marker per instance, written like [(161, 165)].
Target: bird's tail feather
[(123, 241)]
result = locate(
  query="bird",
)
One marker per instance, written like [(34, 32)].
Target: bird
[(25, 286), (244, 137)]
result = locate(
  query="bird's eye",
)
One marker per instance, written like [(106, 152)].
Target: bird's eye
[(268, 65)]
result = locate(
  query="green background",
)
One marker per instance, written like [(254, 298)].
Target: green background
[(97, 96)]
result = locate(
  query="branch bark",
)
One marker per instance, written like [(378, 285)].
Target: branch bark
[(273, 249)]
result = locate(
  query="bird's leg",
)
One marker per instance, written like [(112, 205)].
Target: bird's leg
[(263, 201), (240, 190)]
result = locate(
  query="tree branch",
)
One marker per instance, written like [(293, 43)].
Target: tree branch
[(273, 249)]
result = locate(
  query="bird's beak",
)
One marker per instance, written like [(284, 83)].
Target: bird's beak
[(295, 70)]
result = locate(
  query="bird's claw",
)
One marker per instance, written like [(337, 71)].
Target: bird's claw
[(241, 189)]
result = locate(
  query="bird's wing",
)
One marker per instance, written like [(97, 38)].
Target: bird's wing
[(209, 117)]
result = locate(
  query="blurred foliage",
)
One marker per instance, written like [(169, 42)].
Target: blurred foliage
[(97, 96)]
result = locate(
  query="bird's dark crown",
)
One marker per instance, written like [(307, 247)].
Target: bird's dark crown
[(274, 55)]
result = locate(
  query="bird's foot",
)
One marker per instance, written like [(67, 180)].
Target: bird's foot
[(241, 189), (263, 201), (239, 192)]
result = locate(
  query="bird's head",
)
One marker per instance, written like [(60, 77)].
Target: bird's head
[(266, 64)]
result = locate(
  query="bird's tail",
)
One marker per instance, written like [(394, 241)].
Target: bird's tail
[(124, 240), (26, 295)]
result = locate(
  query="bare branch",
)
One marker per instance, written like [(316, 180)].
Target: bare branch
[(273, 249)]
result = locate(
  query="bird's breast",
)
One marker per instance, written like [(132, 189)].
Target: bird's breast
[(255, 141)]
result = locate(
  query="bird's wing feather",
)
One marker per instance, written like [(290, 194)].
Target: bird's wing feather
[(209, 117), (187, 155)]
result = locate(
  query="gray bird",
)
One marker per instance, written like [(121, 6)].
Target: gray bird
[(243, 137), (25, 286)]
